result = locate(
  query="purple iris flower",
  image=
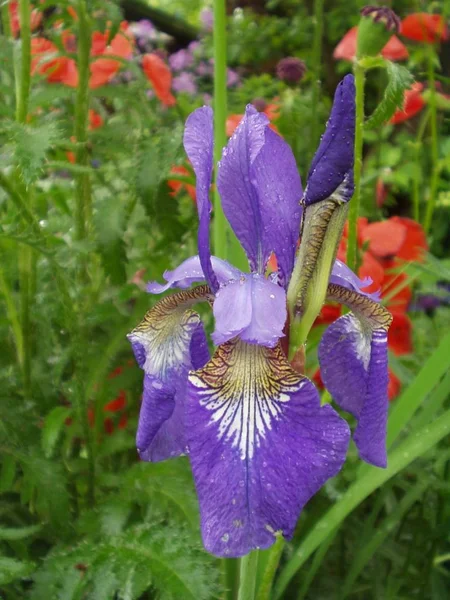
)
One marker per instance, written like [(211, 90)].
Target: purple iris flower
[(259, 441)]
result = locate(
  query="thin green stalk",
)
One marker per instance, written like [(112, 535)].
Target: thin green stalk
[(418, 172), (24, 73), (434, 143), (83, 184), (225, 243), (6, 25), (220, 114), (352, 257), (247, 576), (269, 573), (83, 218), (12, 315), (316, 70)]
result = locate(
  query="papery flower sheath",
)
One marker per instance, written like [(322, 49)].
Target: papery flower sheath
[(259, 442)]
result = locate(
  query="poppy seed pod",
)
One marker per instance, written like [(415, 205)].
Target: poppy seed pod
[(291, 69), (376, 27)]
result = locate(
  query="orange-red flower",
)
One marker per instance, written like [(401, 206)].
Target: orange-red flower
[(35, 18), (346, 49), (412, 104), (394, 385), (400, 334), (176, 185), (160, 77), (423, 27), (95, 121), (106, 66), (46, 61)]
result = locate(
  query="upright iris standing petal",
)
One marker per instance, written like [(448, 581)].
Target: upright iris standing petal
[(261, 191), (260, 446), (353, 364), (198, 143), (168, 343)]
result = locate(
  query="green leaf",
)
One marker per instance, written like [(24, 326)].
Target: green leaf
[(11, 569), (110, 223), (399, 80), (414, 446), (30, 146), (8, 472), (53, 425), (19, 533)]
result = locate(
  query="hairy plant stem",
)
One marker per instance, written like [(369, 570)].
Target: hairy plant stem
[(352, 248), (316, 69), (83, 184), (418, 172), (83, 218), (434, 143), (22, 72), (247, 576)]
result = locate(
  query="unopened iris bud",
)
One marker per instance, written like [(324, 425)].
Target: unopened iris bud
[(329, 188), (376, 27), (291, 69)]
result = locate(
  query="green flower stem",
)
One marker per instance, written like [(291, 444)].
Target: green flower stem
[(352, 249), (418, 172), (225, 244), (23, 76), (316, 70), (247, 576), (22, 72), (434, 143), (83, 185), (269, 573), (83, 218)]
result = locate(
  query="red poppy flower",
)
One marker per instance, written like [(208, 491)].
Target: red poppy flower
[(395, 288), (35, 18), (400, 334), (385, 238), (412, 104), (108, 425), (59, 69), (160, 76), (118, 403), (423, 27), (123, 421), (103, 69), (346, 49), (415, 242), (381, 192), (328, 314), (176, 185), (394, 385)]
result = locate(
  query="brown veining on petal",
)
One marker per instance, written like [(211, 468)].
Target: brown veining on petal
[(374, 315)]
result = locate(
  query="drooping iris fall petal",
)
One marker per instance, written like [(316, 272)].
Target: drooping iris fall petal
[(424, 27), (160, 77), (412, 104), (346, 49), (260, 446)]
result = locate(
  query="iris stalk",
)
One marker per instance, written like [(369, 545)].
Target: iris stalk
[(225, 243), (434, 143), (316, 67), (352, 257), (247, 576)]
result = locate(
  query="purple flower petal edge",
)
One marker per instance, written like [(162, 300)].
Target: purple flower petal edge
[(198, 143), (190, 271), (343, 275), (353, 366), (331, 169)]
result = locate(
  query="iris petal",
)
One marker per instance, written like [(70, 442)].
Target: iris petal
[(261, 191), (354, 368), (168, 343), (198, 143), (343, 275), (253, 308), (260, 446), (331, 171)]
